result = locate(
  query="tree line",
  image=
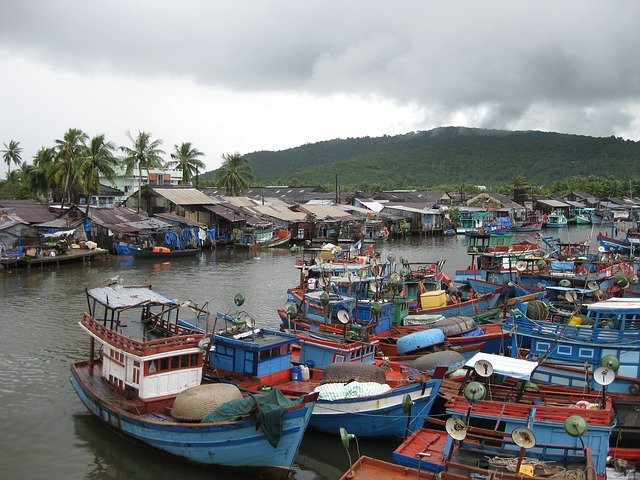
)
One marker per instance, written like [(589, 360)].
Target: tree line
[(78, 162)]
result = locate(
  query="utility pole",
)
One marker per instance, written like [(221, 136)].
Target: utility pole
[(337, 189)]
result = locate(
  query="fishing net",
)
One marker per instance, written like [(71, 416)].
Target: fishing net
[(192, 404), (344, 372)]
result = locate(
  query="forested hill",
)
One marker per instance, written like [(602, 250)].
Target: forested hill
[(449, 155)]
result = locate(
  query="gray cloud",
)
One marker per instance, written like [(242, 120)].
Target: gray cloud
[(508, 59)]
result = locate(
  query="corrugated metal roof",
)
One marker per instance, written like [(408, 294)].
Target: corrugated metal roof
[(324, 211), (121, 297), (554, 203), (29, 210), (280, 212), (227, 213), (184, 196)]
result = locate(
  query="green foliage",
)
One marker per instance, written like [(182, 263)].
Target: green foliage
[(12, 153), (186, 158), (447, 156), (234, 175)]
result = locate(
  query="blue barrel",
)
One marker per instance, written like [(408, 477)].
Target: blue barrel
[(413, 342)]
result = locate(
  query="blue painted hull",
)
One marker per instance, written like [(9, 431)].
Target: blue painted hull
[(578, 344), (379, 415), (229, 444)]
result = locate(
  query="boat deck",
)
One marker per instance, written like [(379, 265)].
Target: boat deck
[(97, 386)]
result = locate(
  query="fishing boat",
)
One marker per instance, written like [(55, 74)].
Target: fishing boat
[(610, 328), (148, 387), (354, 392), (430, 450), (264, 236), (583, 216), (162, 253), (562, 420), (556, 219)]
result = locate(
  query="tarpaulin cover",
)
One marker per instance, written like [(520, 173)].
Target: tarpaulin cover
[(270, 408), (562, 265)]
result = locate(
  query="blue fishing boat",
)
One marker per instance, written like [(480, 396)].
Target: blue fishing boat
[(555, 420), (370, 405), (149, 388), (610, 328), (556, 219)]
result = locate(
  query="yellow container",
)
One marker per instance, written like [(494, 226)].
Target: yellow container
[(575, 320), (435, 299)]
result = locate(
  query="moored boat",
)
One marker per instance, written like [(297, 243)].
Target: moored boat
[(354, 393), (148, 388), (556, 219)]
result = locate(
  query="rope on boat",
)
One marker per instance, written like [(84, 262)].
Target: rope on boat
[(510, 464)]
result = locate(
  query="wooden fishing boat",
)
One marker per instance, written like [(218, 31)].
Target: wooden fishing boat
[(162, 253), (556, 219), (429, 450), (609, 328), (148, 388), (480, 404), (258, 357), (264, 236)]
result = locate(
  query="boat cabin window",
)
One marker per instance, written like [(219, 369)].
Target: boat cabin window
[(274, 352), (176, 362)]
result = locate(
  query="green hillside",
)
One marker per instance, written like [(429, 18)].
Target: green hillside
[(449, 155)]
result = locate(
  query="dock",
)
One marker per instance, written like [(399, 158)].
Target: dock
[(73, 255)]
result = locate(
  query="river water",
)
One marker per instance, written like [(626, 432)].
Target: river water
[(45, 432)]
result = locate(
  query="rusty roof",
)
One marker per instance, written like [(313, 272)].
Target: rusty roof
[(29, 210)]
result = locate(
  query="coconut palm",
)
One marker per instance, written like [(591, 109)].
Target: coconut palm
[(145, 154), (185, 157), (12, 153), (234, 175), (96, 161), (68, 150), (38, 177)]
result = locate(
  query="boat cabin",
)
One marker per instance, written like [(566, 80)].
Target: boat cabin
[(130, 325)]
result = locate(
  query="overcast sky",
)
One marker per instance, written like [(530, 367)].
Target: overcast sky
[(245, 76)]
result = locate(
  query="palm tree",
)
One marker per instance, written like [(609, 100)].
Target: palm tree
[(69, 149), (234, 175), (145, 154), (12, 153), (97, 161), (186, 159), (36, 177)]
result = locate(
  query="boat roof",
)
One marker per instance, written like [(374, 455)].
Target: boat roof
[(121, 297), (616, 303), (511, 367)]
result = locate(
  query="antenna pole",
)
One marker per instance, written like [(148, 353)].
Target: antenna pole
[(520, 457)]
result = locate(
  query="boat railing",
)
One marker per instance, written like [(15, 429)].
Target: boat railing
[(137, 347), (549, 413), (526, 326)]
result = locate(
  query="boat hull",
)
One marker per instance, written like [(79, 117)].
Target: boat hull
[(229, 444), (468, 308), (378, 415)]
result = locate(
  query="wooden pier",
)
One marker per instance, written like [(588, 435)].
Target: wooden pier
[(73, 255)]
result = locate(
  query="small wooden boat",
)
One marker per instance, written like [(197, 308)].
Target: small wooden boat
[(265, 236), (369, 406), (148, 388), (162, 252), (556, 219), (367, 468)]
